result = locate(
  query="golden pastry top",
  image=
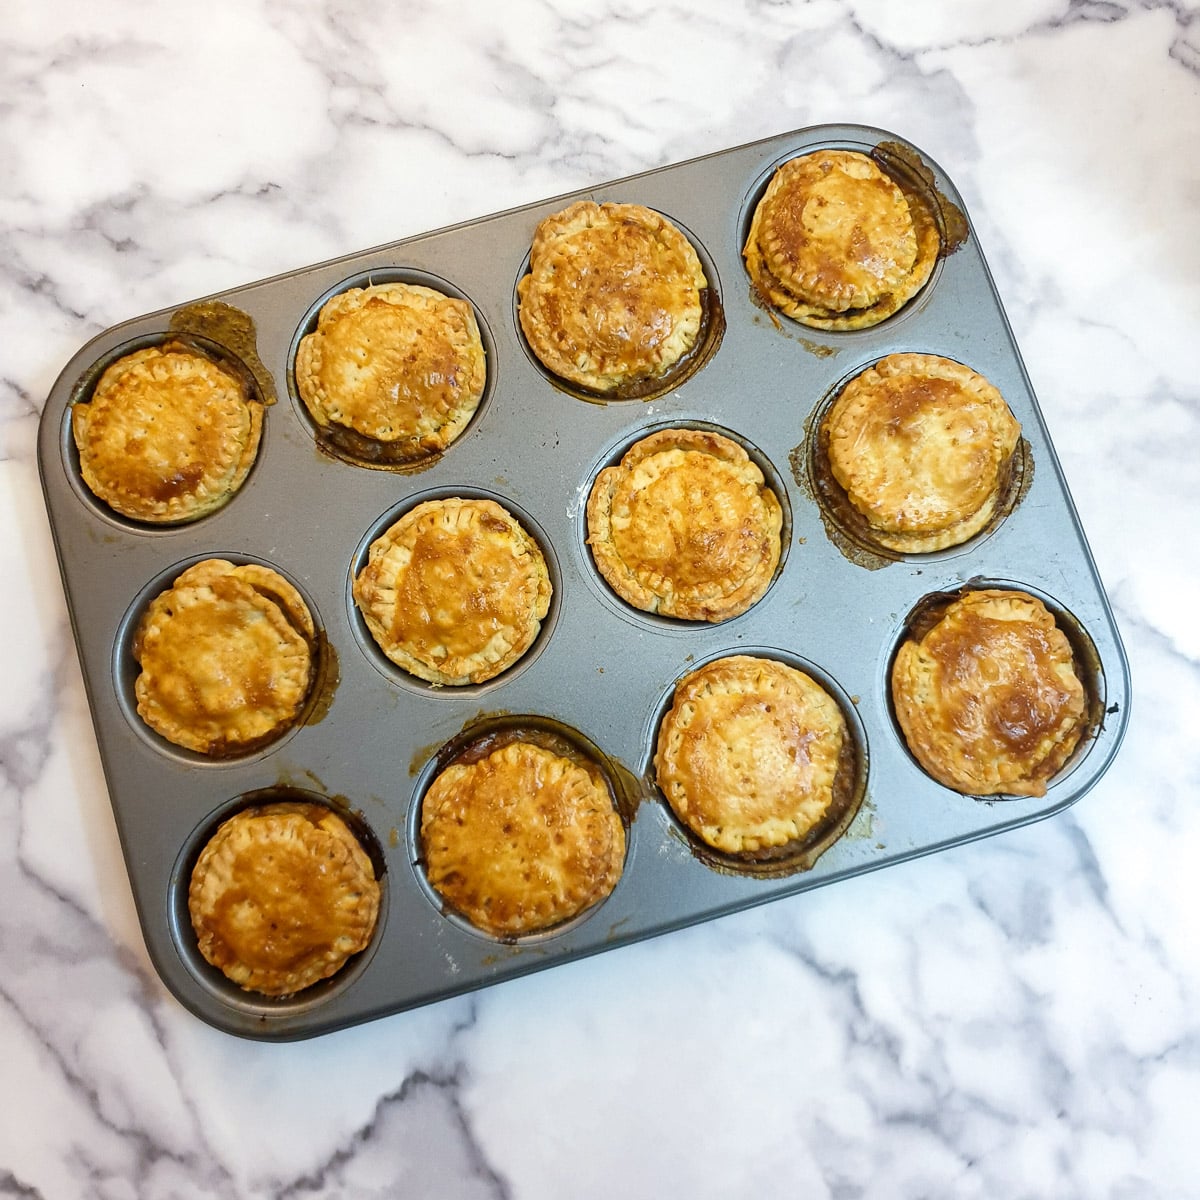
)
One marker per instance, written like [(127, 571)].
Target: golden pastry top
[(167, 435), (455, 591), (521, 839), (613, 295), (226, 656), (988, 698), (837, 244), (395, 362), (749, 753), (281, 896), (836, 230), (921, 444), (685, 526)]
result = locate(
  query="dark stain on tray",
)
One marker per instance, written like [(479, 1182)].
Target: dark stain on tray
[(918, 184), (231, 328)]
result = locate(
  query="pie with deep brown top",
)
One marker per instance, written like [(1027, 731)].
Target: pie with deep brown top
[(835, 243), (685, 526), (226, 656), (282, 896), (988, 698), (455, 591), (613, 295), (749, 753), (167, 435), (521, 840), (397, 363), (922, 446)]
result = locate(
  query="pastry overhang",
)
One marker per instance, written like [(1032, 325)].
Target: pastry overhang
[(685, 526), (837, 244), (749, 753), (989, 699), (167, 435), (282, 896), (226, 656), (397, 363), (455, 591), (613, 295), (922, 446), (521, 839)]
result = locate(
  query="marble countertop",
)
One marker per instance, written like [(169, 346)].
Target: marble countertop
[(1017, 1017)]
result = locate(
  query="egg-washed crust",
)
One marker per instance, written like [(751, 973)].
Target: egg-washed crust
[(455, 591), (989, 699), (398, 363), (613, 295), (834, 230), (282, 896), (749, 752), (819, 315), (922, 446), (168, 435), (226, 656), (685, 526), (521, 840)]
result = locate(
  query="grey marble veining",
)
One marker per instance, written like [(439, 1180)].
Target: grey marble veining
[(1014, 1018)]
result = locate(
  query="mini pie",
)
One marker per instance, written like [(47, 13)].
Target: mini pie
[(988, 698), (226, 656), (521, 840), (685, 526), (168, 434), (613, 295), (836, 244), (922, 446), (281, 896), (749, 754), (395, 363), (455, 591)]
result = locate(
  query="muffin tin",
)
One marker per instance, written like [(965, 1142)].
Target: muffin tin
[(600, 674)]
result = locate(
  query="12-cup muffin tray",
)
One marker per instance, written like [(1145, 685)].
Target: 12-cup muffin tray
[(600, 674)]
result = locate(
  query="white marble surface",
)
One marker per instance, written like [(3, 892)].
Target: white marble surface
[(1016, 1018)]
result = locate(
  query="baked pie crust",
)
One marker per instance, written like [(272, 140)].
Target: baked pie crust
[(749, 754), (613, 295), (226, 656), (521, 840), (455, 591), (282, 896), (396, 363), (837, 244), (167, 435), (922, 446), (988, 698), (685, 526)]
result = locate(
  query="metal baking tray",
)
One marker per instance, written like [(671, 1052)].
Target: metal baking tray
[(599, 668)]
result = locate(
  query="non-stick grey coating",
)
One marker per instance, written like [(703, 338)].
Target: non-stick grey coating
[(600, 667)]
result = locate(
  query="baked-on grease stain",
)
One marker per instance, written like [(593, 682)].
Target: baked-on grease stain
[(231, 329)]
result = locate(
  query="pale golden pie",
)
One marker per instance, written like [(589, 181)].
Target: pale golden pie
[(282, 896), (988, 697), (613, 295), (396, 363), (521, 840), (167, 435), (837, 244), (685, 526), (455, 591), (226, 656), (922, 446), (749, 754)]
